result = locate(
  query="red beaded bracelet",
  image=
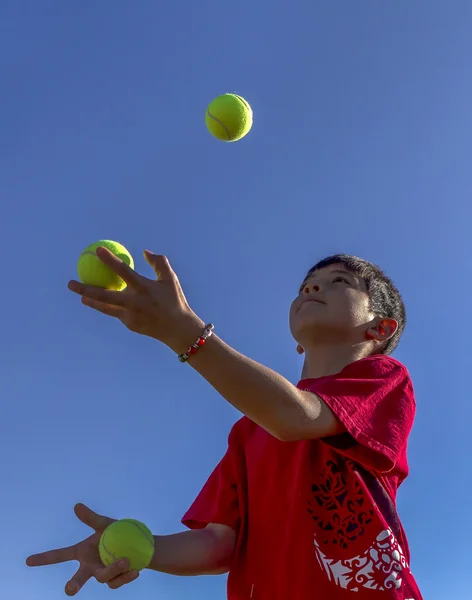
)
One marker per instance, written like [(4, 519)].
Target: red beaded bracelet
[(198, 344)]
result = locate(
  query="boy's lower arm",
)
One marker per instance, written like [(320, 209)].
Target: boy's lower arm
[(196, 552)]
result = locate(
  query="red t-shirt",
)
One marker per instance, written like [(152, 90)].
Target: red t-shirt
[(316, 519)]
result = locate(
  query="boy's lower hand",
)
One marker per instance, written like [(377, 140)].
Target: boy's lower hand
[(86, 553)]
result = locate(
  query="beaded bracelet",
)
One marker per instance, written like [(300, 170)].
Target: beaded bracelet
[(198, 344)]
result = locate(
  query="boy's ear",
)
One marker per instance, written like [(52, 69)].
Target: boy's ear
[(382, 330), (300, 349)]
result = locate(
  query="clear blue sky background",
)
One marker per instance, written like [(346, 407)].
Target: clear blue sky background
[(361, 143)]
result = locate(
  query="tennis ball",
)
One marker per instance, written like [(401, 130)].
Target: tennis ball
[(129, 539), (229, 117), (92, 271)]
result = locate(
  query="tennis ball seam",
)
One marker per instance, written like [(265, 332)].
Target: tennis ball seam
[(246, 104), (145, 532), (220, 122), (104, 546)]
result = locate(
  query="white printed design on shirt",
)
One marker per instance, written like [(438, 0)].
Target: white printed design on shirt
[(378, 568)]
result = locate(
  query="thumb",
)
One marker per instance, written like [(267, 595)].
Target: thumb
[(160, 265), (91, 518)]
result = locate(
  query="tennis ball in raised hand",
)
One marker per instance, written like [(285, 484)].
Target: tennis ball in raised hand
[(229, 117), (129, 539), (92, 271)]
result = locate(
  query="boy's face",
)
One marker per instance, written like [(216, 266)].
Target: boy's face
[(332, 308)]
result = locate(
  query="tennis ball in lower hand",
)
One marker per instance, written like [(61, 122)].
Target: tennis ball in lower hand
[(229, 117), (92, 271), (129, 539)]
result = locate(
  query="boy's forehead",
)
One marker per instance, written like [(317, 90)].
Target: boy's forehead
[(331, 270), (323, 271)]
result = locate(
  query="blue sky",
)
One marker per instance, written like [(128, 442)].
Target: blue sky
[(361, 143)]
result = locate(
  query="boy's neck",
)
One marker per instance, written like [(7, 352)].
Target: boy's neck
[(321, 361)]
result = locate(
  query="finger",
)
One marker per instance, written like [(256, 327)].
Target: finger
[(123, 579), (115, 263), (106, 574), (107, 309), (77, 582), (100, 294), (161, 266), (52, 557), (91, 518)]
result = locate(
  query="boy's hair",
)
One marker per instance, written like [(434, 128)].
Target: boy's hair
[(385, 299)]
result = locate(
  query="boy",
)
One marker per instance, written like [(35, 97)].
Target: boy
[(302, 505)]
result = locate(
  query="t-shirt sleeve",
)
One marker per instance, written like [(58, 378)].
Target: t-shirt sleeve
[(374, 400), (217, 501)]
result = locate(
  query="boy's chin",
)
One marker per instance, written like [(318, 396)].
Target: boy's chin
[(323, 334)]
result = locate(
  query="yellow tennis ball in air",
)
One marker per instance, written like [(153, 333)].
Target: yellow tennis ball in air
[(92, 271), (129, 539), (229, 117)]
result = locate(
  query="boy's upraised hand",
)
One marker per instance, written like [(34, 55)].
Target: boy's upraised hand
[(156, 308), (86, 553)]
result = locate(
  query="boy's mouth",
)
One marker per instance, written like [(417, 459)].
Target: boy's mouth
[(310, 300)]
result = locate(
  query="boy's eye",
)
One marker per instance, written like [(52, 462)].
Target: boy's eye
[(337, 279)]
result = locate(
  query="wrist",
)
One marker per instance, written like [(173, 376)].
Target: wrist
[(154, 564), (186, 330)]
